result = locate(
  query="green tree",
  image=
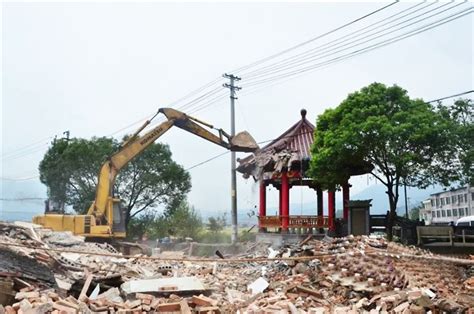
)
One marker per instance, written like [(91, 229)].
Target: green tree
[(69, 169), (147, 222), (180, 222), (56, 175), (216, 225), (184, 221), (461, 114), (404, 140), (415, 212)]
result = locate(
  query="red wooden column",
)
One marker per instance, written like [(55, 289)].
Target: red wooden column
[(285, 201), (345, 200), (262, 209), (332, 210), (279, 201)]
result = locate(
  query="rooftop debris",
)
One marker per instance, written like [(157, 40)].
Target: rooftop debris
[(333, 275)]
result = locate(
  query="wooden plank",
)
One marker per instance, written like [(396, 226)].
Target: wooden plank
[(185, 307), (85, 288), (309, 291), (308, 238), (63, 309), (202, 300), (169, 307)]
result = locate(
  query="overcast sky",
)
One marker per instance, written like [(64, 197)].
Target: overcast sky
[(95, 68)]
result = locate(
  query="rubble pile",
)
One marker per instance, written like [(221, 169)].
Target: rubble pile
[(43, 271)]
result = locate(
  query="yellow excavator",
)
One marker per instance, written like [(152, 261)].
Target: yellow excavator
[(105, 218)]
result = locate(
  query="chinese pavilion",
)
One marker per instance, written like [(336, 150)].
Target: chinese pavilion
[(283, 163)]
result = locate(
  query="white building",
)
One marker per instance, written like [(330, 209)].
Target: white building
[(425, 212), (448, 206)]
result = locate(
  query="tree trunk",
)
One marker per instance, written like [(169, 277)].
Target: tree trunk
[(127, 219), (392, 213)]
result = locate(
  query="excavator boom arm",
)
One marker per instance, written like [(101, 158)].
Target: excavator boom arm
[(137, 144)]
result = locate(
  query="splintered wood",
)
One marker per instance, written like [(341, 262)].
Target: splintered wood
[(342, 275)]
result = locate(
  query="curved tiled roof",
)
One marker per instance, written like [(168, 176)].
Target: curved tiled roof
[(296, 142)]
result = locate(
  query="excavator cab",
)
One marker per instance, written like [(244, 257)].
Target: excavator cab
[(118, 220)]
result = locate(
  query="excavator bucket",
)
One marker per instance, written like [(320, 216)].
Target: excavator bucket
[(243, 142)]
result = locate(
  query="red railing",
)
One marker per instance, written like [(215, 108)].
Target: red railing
[(269, 221), (294, 221)]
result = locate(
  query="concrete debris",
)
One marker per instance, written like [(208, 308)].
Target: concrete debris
[(334, 275), (65, 238), (258, 286)]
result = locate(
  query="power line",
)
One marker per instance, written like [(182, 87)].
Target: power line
[(289, 59), (202, 102), (26, 147), (311, 40), (358, 44), (196, 91), (204, 97), (30, 172), (196, 100), (452, 96), (226, 152), (210, 102), (380, 44), (35, 148), (26, 153), (207, 160), (307, 132), (261, 142), (189, 104), (318, 54), (19, 179), (194, 103), (21, 199), (202, 88)]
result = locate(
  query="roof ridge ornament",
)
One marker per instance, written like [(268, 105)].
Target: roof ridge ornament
[(303, 114)]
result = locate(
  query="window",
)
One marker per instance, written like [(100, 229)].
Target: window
[(453, 199), (455, 212), (433, 214), (432, 203), (442, 201), (448, 200), (437, 202), (466, 210), (459, 199), (449, 212), (465, 198), (472, 196), (443, 213), (461, 212), (437, 213)]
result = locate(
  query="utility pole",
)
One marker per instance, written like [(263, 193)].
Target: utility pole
[(406, 199), (67, 133), (233, 189)]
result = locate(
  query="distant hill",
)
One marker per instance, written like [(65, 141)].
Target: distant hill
[(374, 192), (21, 200), (380, 198)]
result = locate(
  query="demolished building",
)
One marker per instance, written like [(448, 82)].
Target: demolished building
[(42, 271)]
